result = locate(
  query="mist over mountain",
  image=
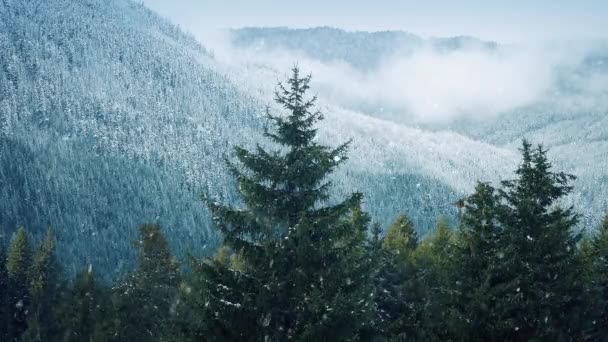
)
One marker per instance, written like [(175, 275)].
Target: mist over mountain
[(111, 117), (275, 184), (363, 50), (554, 93), (409, 79)]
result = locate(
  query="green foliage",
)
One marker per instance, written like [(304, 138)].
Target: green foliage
[(44, 289), (537, 272), (436, 250), (83, 314), (401, 238), (595, 254), (144, 302), (435, 279), (17, 267), (298, 265), (305, 272), (475, 254), (41, 269), (396, 284)]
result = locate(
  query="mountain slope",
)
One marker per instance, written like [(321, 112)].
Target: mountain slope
[(108, 118), (568, 114), (111, 117)]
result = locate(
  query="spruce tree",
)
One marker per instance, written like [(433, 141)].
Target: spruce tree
[(17, 266), (538, 285), (397, 298), (304, 260), (44, 289), (144, 302), (598, 281), (435, 279), (476, 250), (401, 238), (84, 314), (591, 303)]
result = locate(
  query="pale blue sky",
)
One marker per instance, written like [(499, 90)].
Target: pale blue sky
[(504, 21)]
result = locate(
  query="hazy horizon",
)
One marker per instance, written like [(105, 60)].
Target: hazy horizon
[(535, 41), (512, 22)]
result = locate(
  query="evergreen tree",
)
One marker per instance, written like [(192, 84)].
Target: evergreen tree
[(598, 281), (395, 283), (17, 266), (144, 303), (304, 275), (83, 315), (591, 302), (44, 289), (401, 238), (435, 281), (538, 282), (476, 250)]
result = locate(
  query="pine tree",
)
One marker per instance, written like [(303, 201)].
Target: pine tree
[(591, 301), (539, 283), (144, 302), (397, 301), (598, 281), (17, 266), (435, 281), (44, 289), (304, 263), (83, 315), (476, 250), (401, 238)]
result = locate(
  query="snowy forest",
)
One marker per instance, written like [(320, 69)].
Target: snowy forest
[(295, 265), (295, 184)]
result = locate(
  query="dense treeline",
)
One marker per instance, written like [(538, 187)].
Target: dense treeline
[(296, 265)]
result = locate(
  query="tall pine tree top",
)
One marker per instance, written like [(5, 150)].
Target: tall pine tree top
[(286, 184), (537, 188), (600, 240), (18, 257), (401, 237), (304, 266), (43, 266), (479, 225), (537, 270)]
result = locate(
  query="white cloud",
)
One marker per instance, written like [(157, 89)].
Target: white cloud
[(433, 86)]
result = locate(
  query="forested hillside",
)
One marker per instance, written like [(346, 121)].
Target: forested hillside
[(294, 265), (401, 79), (111, 116), (103, 104), (152, 191)]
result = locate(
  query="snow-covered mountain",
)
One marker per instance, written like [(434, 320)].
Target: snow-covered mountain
[(364, 50), (110, 117), (555, 94)]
